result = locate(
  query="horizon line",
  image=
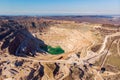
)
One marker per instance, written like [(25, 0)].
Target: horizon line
[(59, 14)]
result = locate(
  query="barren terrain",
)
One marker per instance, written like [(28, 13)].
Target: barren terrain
[(92, 50)]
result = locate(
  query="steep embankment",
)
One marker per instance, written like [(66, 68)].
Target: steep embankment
[(79, 40)]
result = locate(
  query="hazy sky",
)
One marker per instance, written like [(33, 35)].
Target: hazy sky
[(60, 7)]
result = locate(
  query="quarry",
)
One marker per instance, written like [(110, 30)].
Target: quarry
[(52, 48)]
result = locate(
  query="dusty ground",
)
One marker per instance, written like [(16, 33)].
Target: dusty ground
[(76, 39), (70, 36)]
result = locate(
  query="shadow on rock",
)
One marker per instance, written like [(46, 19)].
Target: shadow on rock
[(19, 40), (36, 74)]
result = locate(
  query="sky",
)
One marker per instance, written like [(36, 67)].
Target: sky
[(59, 7)]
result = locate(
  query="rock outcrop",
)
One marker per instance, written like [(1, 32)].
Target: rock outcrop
[(19, 40)]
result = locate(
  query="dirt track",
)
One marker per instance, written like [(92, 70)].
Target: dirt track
[(72, 41)]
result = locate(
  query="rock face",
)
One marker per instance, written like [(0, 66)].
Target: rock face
[(26, 44), (30, 70), (19, 40), (21, 37)]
